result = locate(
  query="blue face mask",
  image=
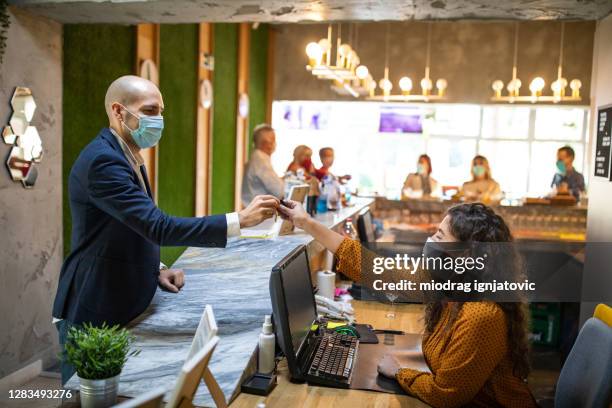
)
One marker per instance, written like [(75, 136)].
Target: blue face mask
[(561, 167), (478, 170), (149, 130), (421, 169)]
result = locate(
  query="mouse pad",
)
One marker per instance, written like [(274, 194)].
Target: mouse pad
[(405, 347)]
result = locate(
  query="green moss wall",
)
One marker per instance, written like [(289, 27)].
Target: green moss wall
[(258, 77), (94, 55), (178, 78), (225, 89)]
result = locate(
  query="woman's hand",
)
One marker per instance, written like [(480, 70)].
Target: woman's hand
[(388, 366), (293, 211)]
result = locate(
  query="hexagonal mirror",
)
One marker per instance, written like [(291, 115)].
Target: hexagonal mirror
[(31, 144), (21, 169), (23, 110), (8, 135)]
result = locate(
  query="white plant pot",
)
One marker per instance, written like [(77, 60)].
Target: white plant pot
[(99, 393)]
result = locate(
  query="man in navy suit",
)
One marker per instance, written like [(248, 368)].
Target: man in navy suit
[(113, 268)]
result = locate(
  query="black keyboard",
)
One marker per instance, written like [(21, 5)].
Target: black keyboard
[(333, 361)]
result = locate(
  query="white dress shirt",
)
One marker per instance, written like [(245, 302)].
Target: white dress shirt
[(260, 178)]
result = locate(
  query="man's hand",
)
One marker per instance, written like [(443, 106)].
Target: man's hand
[(294, 212), (388, 366), (261, 208), (171, 280)]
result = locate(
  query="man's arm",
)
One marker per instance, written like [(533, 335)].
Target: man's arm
[(112, 191)]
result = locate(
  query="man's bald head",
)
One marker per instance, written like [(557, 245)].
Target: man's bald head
[(129, 90), (264, 138)]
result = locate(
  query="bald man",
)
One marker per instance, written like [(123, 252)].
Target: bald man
[(114, 267)]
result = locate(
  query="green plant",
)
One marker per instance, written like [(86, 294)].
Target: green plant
[(98, 352), (5, 22)]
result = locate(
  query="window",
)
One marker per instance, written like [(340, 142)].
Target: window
[(519, 141)]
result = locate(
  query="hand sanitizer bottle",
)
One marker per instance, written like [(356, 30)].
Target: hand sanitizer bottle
[(267, 345)]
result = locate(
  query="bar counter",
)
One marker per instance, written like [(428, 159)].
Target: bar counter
[(234, 281)]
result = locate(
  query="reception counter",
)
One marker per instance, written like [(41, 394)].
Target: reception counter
[(414, 219), (234, 281)]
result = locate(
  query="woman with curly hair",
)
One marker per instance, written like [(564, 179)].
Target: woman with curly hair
[(477, 350)]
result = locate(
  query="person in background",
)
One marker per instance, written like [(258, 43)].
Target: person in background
[(482, 187), (326, 155), (420, 184), (259, 175), (114, 268), (302, 160), (478, 351), (567, 180)]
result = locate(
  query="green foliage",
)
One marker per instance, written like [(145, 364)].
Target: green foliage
[(98, 352), (5, 22)]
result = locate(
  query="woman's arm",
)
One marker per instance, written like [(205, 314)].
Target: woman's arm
[(348, 252), (294, 211)]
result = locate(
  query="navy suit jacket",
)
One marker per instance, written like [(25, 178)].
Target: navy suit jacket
[(112, 271)]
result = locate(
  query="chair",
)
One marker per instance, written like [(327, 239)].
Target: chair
[(196, 368), (151, 399), (604, 313), (586, 377)]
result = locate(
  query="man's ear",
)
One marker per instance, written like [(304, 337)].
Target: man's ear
[(116, 109)]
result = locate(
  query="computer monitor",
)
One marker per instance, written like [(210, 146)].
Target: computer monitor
[(365, 226), (293, 305)]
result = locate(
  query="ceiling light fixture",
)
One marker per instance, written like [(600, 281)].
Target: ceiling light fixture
[(405, 83), (537, 84)]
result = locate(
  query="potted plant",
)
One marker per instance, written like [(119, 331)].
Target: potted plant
[(98, 354)]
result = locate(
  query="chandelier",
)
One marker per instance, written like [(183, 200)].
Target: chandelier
[(405, 83), (320, 59), (558, 87)]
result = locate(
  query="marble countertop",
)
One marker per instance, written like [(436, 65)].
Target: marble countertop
[(234, 281)]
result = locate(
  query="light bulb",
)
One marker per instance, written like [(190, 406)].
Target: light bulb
[(324, 44), (556, 86), (362, 72), (344, 50), (314, 51), (441, 85), (426, 85), (575, 86), (536, 85), (498, 85), (385, 85), (405, 84)]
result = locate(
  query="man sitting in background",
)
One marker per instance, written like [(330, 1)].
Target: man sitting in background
[(326, 155), (259, 175), (567, 180)]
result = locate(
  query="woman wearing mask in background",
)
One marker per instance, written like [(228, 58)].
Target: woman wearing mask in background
[(420, 184), (302, 160), (482, 187), (477, 351)]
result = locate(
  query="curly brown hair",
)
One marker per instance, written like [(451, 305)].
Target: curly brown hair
[(477, 223)]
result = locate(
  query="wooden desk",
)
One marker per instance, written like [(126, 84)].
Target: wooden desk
[(288, 394)]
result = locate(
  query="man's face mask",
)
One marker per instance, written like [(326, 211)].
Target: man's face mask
[(149, 130), (561, 169), (421, 169)]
